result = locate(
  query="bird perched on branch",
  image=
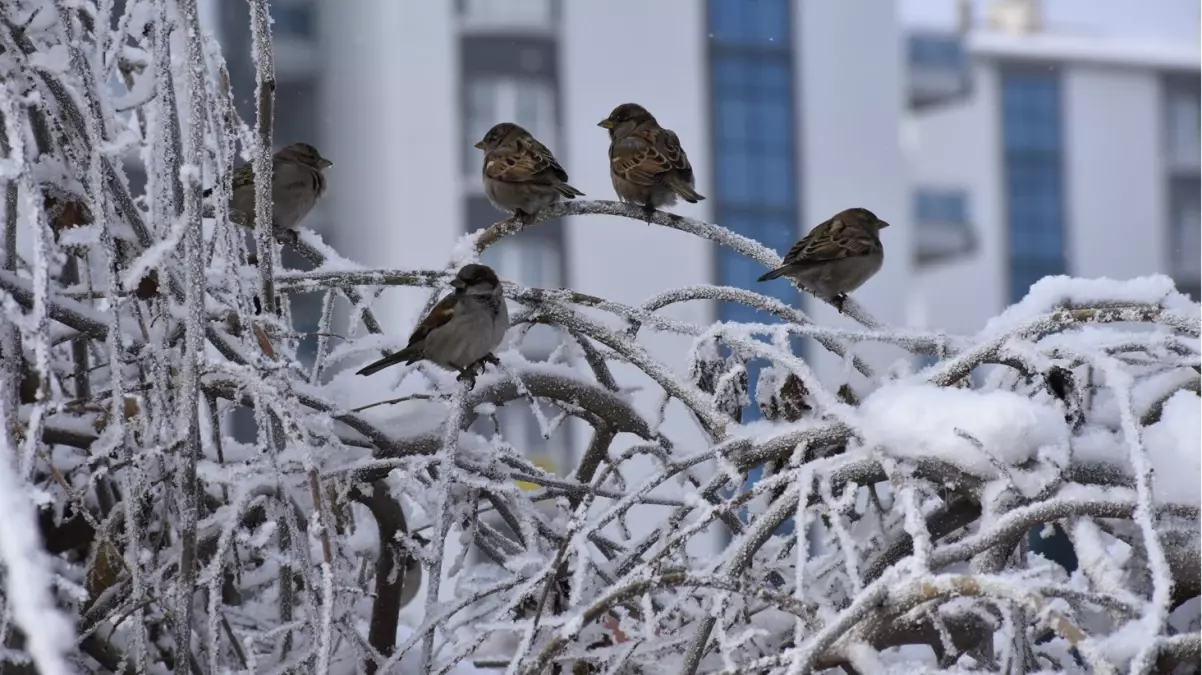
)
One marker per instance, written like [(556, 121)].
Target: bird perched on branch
[(462, 329), (521, 176), (297, 183), (646, 163), (836, 257)]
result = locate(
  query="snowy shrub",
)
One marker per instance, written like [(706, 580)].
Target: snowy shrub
[(140, 534)]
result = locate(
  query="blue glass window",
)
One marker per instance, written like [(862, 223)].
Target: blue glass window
[(294, 19), (749, 21), (1034, 189), (936, 50), (1032, 141), (940, 205), (755, 151)]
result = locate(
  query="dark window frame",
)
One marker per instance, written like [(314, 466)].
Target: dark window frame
[(1181, 185)]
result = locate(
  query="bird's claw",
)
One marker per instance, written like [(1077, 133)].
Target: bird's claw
[(839, 300), (286, 237), (648, 213), (469, 376), (491, 358)]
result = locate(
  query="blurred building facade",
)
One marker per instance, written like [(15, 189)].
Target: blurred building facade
[(778, 111), (1035, 153), (1022, 153)]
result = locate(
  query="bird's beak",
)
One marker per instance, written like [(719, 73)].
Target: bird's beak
[(458, 284), (324, 163), (880, 224), (479, 145), (606, 124)]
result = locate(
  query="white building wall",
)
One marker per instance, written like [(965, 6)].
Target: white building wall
[(1114, 185), (960, 145), (1115, 172), (850, 107), (390, 78), (617, 258)]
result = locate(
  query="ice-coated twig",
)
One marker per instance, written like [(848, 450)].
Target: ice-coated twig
[(1119, 381), (762, 302), (443, 504), (264, 59), (194, 331)]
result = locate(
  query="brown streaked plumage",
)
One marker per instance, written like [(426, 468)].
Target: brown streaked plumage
[(646, 163), (461, 331), (836, 257), (521, 176), (297, 183)]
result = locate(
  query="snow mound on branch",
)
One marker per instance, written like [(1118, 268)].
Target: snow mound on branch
[(921, 422), (1174, 445), (1051, 293)]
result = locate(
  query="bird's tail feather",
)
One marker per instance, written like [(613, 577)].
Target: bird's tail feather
[(685, 191), (778, 272), (404, 356), (568, 191)]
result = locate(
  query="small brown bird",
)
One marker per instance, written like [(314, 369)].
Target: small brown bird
[(297, 183), (462, 329), (646, 163), (836, 257), (521, 176)]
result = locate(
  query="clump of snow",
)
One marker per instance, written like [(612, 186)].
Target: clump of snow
[(1055, 292), (921, 422), (1174, 446)]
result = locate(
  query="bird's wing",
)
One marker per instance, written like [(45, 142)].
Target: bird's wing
[(243, 176), (647, 155), (832, 240), (442, 313), (527, 161), (667, 145), (544, 158)]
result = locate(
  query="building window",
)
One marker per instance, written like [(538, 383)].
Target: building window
[(528, 102), (936, 50), (1185, 214), (943, 230), (755, 144), (508, 13), (936, 205), (1182, 138), (755, 165), (1033, 177), (1183, 122), (938, 68), (292, 19)]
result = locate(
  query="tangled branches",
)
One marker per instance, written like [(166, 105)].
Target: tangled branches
[(891, 509)]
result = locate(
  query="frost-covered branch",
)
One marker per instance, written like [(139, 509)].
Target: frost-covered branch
[(866, 510)]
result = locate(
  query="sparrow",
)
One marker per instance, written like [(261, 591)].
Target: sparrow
[(836, 257), (297, 183), (462, 329), (521, 176), (646, 163)]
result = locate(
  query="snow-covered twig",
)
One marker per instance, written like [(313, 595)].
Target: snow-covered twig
[(264, 59)]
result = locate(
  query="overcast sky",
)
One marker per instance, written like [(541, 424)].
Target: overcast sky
[(1176, 20)]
